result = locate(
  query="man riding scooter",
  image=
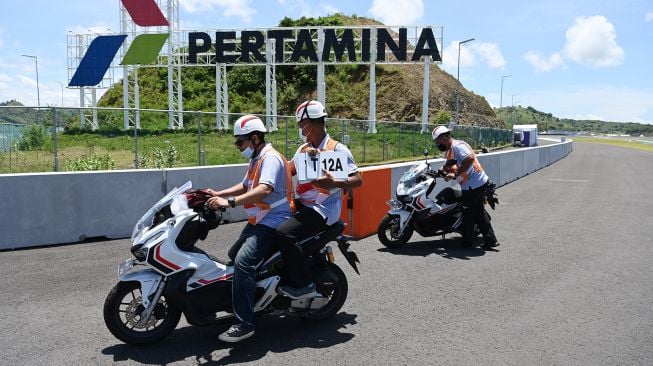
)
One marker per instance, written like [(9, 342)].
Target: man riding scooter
[(266, 194), (318, 202)]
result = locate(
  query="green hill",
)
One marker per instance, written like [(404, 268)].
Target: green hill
[(11, 103), (548, 122), (16, 115), (399, 88)]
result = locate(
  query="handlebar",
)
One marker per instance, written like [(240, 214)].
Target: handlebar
[(207, 208), (435, 173)]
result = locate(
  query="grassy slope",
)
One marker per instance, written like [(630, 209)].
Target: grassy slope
[(546, 121)]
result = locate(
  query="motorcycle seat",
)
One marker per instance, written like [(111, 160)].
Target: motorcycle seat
[(310, 245), (316, 242)]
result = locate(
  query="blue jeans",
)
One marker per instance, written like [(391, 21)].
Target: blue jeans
[(254, 244)]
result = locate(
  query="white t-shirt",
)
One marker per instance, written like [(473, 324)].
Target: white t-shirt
[(331, 207), (273, 173), (476, 177)]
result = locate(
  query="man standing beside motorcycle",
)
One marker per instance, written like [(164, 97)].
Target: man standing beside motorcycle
[(266, 194), (461, 164), (318, 202)]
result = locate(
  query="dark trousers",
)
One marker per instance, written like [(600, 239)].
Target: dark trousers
[(475, 214), (304, 223)]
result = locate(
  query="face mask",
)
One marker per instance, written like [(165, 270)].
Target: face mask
[(442, 147), (247, 153), (301, 135)]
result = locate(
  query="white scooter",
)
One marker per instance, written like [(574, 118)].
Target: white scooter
[(176, 277), (414, 210)]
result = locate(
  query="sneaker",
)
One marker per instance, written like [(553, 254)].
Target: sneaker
[(298, 293), (490, 245), (237, 333)]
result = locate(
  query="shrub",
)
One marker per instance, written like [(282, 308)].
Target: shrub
[(34, 138), (160, 158), (443, 117), (90, 162)]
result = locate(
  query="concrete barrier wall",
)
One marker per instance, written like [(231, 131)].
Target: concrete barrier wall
[(54, 208), (511, 166), (502, 167), (216, 177)]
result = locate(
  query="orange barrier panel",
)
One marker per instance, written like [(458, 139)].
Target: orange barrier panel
[(369, 203)]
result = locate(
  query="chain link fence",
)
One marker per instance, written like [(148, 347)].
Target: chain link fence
[(51, 139)]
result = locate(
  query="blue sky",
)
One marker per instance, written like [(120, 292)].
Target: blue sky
[(578, 59)]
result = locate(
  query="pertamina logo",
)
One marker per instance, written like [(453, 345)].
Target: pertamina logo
[(143, 50)]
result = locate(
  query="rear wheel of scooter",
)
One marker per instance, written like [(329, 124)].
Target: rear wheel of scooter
[(122, 310), (388, 232), (336, 292)]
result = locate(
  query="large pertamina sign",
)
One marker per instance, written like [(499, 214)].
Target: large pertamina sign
[(312, 45)]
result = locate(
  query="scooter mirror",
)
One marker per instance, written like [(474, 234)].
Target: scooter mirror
[(426, 152)]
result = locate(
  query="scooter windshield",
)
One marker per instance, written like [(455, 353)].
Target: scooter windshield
[(147, 219), (410, 176)]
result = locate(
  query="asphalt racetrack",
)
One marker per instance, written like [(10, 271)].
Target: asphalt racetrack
[(571, 284)]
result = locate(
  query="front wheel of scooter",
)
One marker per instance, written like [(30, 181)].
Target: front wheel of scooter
[(388, 232), (122, 310)]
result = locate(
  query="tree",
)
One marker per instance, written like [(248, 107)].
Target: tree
[(443, 117), (34, 138)]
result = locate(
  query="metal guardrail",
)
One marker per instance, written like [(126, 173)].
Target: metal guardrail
[(49, 139)]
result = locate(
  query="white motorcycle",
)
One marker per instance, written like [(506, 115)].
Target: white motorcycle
[(413, 209), (176, 277)]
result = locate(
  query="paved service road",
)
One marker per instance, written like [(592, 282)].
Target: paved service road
[(571, 284)]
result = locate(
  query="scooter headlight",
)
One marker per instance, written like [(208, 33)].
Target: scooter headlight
[(140, 252)]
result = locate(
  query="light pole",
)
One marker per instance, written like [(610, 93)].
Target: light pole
[(512, 109), (501, 100), (458, 78), (459, 43), (60, 83), (38, 93)]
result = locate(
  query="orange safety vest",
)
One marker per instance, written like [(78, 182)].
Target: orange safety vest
[(307, 192), (257, 211), (475, 165)]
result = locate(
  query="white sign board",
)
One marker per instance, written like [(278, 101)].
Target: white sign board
[(310, 168)]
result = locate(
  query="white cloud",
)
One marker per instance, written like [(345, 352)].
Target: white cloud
[(329, 9), (5, 82), (592, 41), (604, 102), (23, 89), (98, 28), (304, 9), (27, 81), (649, 16), (231, 8), (397, 12), (15, 62), (490, 53), (487, 53), (541, 63)]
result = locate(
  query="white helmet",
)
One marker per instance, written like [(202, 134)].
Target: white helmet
[(439, 131), (247, 124), (310, 109)]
